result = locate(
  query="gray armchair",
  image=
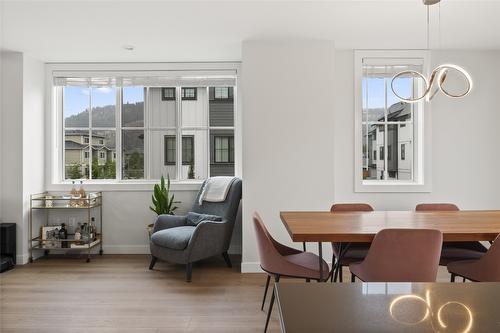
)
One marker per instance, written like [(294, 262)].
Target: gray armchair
[(173, 240)]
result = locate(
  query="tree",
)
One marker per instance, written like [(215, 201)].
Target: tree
[(74, 172), (135, 166)]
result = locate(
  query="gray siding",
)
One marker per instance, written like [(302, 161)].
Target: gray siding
[(221, 113), (219, 169)]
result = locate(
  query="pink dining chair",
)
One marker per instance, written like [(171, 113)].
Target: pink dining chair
[(278, 260), (484, 269), (401, 255), (453, 251), (355, 251)]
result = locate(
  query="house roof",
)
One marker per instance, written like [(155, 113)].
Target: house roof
[(83, 133), (72, 145)]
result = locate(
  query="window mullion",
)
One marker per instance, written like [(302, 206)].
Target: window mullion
[(118, 134), (90, 133), (178, 141)]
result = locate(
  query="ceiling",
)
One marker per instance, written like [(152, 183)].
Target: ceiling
[(89, 31)]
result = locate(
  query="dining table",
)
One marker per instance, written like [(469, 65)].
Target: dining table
[(388, 307), (344, 228)]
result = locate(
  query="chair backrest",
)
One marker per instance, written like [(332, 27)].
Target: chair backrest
[(227, 209), (351, 207), (270, 258), (437, 207), (403, 255), (487, 268)]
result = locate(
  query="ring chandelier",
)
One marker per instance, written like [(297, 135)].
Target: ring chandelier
[(438, 75)]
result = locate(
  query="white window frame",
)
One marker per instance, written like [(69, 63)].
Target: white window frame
[(422, 149), (54, 134)]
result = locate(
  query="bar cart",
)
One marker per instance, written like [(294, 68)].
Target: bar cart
[(73, 241)]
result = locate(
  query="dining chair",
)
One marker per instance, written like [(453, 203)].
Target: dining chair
[(453, 251), (401, 255), (355, 251), (278, 260), (484, 269)]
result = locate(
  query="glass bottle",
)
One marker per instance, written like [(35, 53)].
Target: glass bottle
[(73, 193), (82, 194)]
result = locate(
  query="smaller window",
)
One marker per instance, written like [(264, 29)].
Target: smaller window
[(224, 149), (86, 139), (102, 155), (101, 141), (223, 93), (382, 155), (187, 149), (169, 149), (86, 155), (375, 155), (189, 94), (403, 152), (168, 94), (114, 155)]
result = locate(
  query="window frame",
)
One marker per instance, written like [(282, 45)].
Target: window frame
[(190, 98), (164, 97), (54, 171), (422, 147), (229, 146)]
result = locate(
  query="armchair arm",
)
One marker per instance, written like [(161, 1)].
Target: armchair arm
[(208, 239), (169, 221)]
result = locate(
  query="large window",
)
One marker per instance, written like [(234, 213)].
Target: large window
[(130, 131), (384, 123)]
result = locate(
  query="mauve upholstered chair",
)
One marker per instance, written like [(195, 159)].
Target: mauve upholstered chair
[(355, 251), (401, 255), (485, 269), (453, 251), (279, 260), (173, 240)]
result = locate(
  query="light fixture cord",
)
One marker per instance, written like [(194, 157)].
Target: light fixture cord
[(428, 23)]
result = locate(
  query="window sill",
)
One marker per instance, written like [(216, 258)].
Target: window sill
[(380, 186), (125, 186)]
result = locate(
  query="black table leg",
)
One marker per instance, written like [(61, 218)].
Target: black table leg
[(320, 253)]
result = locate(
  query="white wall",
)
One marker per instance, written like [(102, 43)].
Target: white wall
[(22, 146), (11, 141), (464, 138), (287, 134), (298, 141)]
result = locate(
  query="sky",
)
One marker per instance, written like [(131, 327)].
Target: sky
[(76, 99), (375, 88)]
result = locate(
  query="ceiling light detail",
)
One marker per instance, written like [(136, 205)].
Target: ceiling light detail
[(438, 74)]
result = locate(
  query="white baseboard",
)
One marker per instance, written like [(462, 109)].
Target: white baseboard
[(126, 249), (251, 267), (22, 259)]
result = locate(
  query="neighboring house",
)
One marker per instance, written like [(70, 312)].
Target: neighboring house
[(196, 150), (77, 150), (399, 145)]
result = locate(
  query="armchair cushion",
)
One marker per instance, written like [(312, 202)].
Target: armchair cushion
[(195, 218), (174, 238)]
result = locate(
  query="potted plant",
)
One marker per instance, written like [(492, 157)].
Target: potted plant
[(163, 201)]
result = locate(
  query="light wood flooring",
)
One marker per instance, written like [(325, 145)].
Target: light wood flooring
[(117, 293)]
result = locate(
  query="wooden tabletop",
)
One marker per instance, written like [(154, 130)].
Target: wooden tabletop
[(388, 307), (362, 226)]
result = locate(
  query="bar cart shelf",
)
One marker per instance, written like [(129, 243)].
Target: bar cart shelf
[(46, 202)]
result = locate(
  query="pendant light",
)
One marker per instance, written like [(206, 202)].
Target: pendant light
[(438, 74)]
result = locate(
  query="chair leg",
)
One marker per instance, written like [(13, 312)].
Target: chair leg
[(265, 292), (452, 279), (333, 268), (227, 260), (153, 262), (353, 277), (341, 271), (308, 280), (304, 246), (189, 271), (463, 280), (276, 279)]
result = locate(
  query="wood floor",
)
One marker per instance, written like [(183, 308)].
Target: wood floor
[(117, 293)]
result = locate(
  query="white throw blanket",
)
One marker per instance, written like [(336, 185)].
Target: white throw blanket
[(216, 189)]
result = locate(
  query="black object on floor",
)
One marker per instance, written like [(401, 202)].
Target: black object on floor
[(7, 246)]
